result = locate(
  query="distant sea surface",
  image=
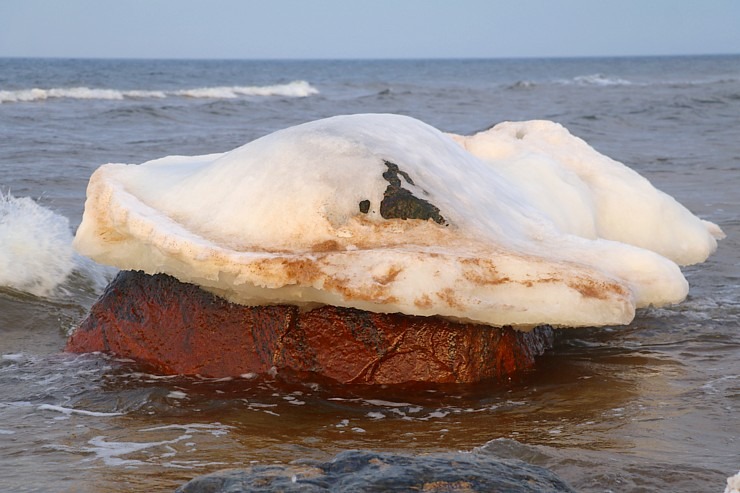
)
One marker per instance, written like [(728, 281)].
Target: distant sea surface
[(654, 406)]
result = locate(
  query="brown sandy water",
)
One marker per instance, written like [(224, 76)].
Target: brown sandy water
[(652, 405)]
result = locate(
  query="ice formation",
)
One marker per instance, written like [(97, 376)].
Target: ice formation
[(523, 224)]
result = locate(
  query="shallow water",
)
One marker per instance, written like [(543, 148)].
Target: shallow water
[(639, 408)]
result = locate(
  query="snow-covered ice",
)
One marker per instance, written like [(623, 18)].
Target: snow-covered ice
[(523, 224)]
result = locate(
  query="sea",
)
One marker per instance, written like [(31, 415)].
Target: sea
[(652, 406)]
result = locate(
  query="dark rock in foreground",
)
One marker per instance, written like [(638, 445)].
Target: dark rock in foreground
[(362, 471), (177, 328)]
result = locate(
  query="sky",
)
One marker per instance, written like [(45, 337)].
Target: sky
[(321, 29)]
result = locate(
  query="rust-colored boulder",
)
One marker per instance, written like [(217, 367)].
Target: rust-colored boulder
[(177, 328)]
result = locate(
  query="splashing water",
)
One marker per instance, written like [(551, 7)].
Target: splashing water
[(295, 89), (733, 484), (36, 252)]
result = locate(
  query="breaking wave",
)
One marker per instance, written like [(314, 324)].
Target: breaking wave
[(36, 254), (295, 89), (596, 80), (601, 80)]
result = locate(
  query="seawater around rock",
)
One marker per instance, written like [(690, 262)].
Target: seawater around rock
[(177, 328), (356, 470)]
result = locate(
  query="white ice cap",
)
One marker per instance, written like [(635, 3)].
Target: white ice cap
[(520, 225)]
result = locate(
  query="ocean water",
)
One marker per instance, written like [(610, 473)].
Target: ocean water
[(651, 406)]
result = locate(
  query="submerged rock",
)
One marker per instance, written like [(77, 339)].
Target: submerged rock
[(354, 471), (177, 328)]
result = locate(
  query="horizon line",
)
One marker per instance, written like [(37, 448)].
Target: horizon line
[(357, 59)]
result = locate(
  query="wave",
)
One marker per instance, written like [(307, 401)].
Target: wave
[(595, 80), (579, 80), (36, 253), (523, 84), (601, 80), (295, 89)]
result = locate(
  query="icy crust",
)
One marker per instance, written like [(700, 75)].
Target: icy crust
[(590, 195), (523, 224)]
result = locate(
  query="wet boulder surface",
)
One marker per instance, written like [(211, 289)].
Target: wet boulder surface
[(178, 328), (365, 471)]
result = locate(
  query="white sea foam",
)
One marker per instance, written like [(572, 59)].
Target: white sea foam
[(733, 484), (192, 464), (295, 89), (113, 453), (382, 403), (14, 357), (595, 80), (69, 410), (215, 429), (410, 412), (535, 226), (598, 80), (36, 253), (16, 404)]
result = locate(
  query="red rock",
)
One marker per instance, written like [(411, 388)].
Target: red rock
[(177, 328)]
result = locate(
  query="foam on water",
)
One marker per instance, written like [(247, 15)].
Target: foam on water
[(733, 484), (68, 411), (136, 453), (36, 253), (601, 80), (37, 94), (594, 80), (14, 357), (405, 411), (215, 429), (112, 452), (597, 80), (295, 89)]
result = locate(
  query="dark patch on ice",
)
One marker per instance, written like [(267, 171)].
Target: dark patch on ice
[(365, 206)]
